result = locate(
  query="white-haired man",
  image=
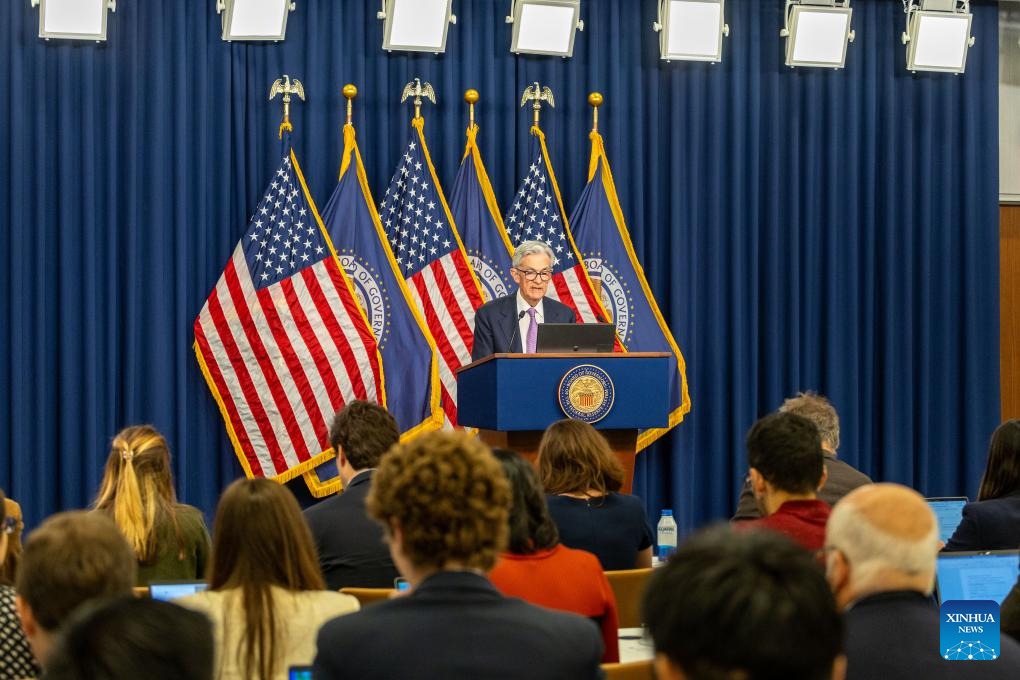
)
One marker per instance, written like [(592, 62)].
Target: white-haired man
[(510, 323), (881, 543)]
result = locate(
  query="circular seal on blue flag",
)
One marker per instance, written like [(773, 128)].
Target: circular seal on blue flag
[(369, 293), (586, 393)]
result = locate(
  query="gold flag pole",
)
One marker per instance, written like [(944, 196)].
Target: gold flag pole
[(595, 100), (286, 87), (349, 92), (471, 97), (537, 94), (418, 89)]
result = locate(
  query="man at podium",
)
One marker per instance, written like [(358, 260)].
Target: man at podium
[(510, 323)]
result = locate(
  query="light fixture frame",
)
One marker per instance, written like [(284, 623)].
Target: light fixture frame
[(926, 8), (791, 18), (224, 7), (386, 15), (108, 6), (662, 28), (517, 10)]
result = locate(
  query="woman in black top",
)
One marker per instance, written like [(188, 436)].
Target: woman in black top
[(993, 522), (583, 479)]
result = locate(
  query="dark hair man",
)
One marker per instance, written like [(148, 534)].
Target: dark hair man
[(842, 477), (444, 502), (351, 547), (784, 453), (129, 638), (73, 557), (743, 605)]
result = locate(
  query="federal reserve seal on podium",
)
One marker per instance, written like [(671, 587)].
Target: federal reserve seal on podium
[(586, 393)]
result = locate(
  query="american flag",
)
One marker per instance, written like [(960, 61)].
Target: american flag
[(536, 214), (431, 258), (281, 339)]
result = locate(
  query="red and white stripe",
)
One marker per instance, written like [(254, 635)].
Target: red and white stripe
[(571, 287), (447, 298), (284, 359)]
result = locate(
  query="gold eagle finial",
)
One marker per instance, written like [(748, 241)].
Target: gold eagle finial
[(418, 89), (286, 87), (537, 94)]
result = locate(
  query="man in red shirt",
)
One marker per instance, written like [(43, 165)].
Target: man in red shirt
[(784, 452)]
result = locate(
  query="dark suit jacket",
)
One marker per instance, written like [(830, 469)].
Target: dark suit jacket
[(456, 625), (351, 547), (495, 322), (988, 525), (896, 635), (843, 479)]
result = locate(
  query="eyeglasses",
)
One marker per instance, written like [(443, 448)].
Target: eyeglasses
[(531, 275)]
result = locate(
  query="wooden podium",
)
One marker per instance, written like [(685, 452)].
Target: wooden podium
[(512, 398)]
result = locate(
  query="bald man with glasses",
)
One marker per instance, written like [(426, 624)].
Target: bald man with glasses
[(510, 323)]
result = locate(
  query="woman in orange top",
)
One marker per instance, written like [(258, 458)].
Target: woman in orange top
[(538, 569)]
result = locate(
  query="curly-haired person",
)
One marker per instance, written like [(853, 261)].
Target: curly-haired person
[(443, 501)]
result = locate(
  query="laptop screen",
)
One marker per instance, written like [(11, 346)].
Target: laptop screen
[(977, 575), (948, 512), (173, 590), (575, 337)]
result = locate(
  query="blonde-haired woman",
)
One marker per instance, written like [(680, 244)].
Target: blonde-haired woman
[(137, 491)]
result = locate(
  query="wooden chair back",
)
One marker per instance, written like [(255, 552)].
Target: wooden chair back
[(629, 586), (635, 670), (367, 596)]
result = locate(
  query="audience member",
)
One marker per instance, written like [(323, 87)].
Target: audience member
[(841, 478), (583, 477), (265, 597), (443, 501), (13, 528), (170, 540), (993, 522), (784, 454), (72, 558), (881, 544), (537, 568), (130, 638), (16, 659), (752, 606), (352, 551)]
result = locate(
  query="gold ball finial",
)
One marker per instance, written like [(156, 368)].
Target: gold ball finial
[(349, 91), (471, 96), (595, 99)]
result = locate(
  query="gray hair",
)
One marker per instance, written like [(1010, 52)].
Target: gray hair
[(532, 248), (819, 411), (872, 551)]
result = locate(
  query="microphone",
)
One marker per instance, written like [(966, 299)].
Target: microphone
[(517, 331)]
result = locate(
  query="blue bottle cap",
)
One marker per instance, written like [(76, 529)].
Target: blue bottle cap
[(667, 513)]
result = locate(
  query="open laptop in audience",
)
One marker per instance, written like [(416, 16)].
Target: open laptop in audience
[(171, 590), (981, 575), (948, 512)]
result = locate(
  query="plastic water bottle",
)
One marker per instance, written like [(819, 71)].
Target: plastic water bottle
[(666, 530)]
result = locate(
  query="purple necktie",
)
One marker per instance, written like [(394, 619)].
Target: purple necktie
[(532, 331)]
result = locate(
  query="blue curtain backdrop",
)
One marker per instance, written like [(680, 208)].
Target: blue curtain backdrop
[(801, 229)]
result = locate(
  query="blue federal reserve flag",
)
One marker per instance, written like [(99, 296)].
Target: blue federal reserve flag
[(474, 209), (408, 353), (602, 238)]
